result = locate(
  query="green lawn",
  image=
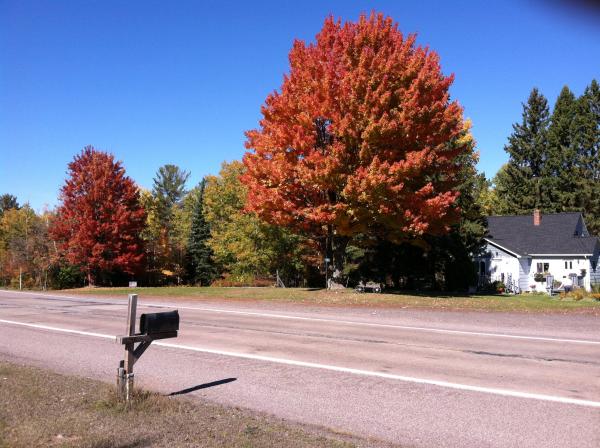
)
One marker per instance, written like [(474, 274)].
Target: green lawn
[(519, 303)]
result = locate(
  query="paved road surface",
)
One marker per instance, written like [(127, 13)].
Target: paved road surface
[(414, 378)]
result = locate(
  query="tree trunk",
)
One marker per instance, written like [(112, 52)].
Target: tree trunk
[(336, 252), (90, 278)]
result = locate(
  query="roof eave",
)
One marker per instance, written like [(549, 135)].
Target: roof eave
[(492, 242), (561, 255)]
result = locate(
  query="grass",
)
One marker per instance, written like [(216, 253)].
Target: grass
[(322, 297), (39, 408)]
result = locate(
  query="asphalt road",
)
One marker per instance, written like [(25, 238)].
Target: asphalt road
[(413, 378)]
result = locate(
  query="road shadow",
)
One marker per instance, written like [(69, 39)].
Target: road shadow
[(202, 386)]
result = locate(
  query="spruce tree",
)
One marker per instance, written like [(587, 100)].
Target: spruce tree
[(562, 166), (586, 131), (527, 147), (201, 267)]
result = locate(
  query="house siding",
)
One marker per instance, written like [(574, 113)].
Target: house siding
[(595, 262), (558, 270), (524, 273), (501, 265)]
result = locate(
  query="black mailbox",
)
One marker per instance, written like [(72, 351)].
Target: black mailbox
[(154, 323)]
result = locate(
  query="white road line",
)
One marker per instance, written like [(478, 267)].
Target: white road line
[(63, 330), (337, 321), (291, 362), (372, 324)]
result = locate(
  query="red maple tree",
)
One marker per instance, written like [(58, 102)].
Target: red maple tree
[(98, 223), (361, 138)]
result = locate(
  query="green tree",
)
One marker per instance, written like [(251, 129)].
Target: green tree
[(201, 267), (7, 202), (169, 189), (168, 194), (244, 246), (586, 139), (559, 183), (500, 192), (519, 184)]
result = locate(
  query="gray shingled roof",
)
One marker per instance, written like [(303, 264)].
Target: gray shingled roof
[(555, 234)]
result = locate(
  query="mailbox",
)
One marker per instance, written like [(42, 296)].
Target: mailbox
[(154, 323)]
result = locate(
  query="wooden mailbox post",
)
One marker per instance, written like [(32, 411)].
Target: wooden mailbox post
[(153, 326)]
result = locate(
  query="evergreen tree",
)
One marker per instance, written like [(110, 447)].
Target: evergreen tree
[(586, 134), (168, 193), (519, 185), (7, 202), (201, 266), (559, 182), (169, 189)]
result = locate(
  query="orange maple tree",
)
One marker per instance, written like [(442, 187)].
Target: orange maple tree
[(98, 224), (361, 138)]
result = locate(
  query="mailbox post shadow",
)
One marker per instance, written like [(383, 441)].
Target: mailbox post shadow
[(202, 386)]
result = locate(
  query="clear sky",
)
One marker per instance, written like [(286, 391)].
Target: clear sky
[(158, 82)]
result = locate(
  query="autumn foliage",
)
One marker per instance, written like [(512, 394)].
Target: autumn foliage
[(361, 138), (100, 218)]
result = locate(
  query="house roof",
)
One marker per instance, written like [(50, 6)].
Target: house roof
[(554, 236)]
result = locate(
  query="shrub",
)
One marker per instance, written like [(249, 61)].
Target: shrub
[(498, 286)]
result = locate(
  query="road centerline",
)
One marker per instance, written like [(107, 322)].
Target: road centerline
[(325, 320), (334, 368)]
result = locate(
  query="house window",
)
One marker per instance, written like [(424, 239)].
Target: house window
[(540, 268), (568, 265)]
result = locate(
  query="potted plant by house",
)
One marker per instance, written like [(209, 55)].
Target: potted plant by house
[(500, 287)]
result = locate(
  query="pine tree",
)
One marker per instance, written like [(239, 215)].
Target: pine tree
[(168, 193), (201, 266), (587, 144), (527, 148), (7, 202), (559, 183)]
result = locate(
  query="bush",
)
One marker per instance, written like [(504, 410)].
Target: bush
[(577, 294), (66, 276), (498, 286)]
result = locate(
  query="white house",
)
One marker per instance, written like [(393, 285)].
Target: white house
[(519, 247)]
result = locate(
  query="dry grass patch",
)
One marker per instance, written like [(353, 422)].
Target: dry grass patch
[(39, 408)]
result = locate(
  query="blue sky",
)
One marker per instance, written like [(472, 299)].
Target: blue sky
[(179, 82)]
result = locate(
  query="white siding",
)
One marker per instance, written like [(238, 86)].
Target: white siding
[(557, 268), (594, 274), (502, 266), (524, 270)]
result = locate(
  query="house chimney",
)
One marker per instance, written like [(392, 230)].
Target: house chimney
[(537, 217)]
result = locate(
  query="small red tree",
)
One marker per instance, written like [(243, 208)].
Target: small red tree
[(98, 223), (362, 138)]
